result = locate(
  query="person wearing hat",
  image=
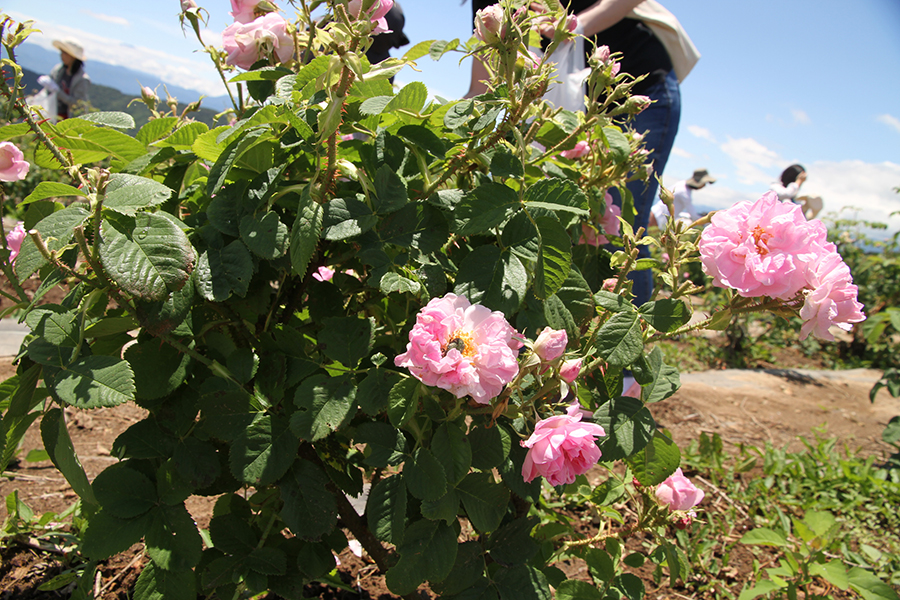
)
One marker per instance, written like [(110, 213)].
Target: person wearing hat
[(682, 201), (68, 79)]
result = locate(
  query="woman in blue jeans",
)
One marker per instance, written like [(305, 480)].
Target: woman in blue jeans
[(611, 23)]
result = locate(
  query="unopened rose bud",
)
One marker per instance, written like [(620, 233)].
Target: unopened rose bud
[(637, 484), (490, 24), (187, 5), (602, 54), (637, 104), (571, 23), (148, 95), (683, 523), (570, 370), (551, 344)]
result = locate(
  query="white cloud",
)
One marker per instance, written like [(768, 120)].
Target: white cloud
[(192, 72), (753, 162), (676, 151), (107, 18), (702, 133), (800, 117), (858, 189), (891, 121)]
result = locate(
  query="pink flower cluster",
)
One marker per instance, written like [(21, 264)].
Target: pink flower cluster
[(768, 248), (609, 223), (377, 13), (13, 165), (461, 347), (14, 241), (561, 448), (252, 37)]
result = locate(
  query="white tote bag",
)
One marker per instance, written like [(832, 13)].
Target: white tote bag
[(569, 73), (45, 102)]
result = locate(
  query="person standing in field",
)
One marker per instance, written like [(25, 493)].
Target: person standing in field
[(69, 80)]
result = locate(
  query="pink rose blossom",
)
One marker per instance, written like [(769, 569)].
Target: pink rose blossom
[(570, 370), (832, 300), (551, 344), (582, 148), (761, 248), (678, 493), (377, 13), (243, 11), (14, 241), (323, 274), (609, 223), (248, 43), (490, 24), (602, 54), (461, 347), (561, 448), (13, 165)]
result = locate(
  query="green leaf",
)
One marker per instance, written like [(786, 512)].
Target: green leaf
[(155, 583), (223, 272), (763, 536), (385, 445), (891, 433), (264, 452), (390, 191), (658, 460), (444, 508), (266, 236), (868, 586), (512, 544), (197, 462), (59, 446), (347, 339), (423, 138), (458, 114), (124, 492), (309, 510), (55, 324), (51, 189), (666, 315), (613, 302), (345, 218), (231, 533), (494, 278), (559, 195), (402, 401), (148, 256), (373, 392), (107, 535), (386, 509), (424, 476), (159, 369), (485, 501), (483, 208), (833, 572), (56, 230), (573, 589), (522, 582), (197, 137), (489, 446), (620, 341), (506, 164), (392, 282), (323, 404), (172, 540), (119, 120), (410, 98), (127, 194), (554, 258), (629, 427), (95, 381), (218, 174), (760, 589), (144, 439), (658, 380), (156, 129), (451, 448), (427, 552), (305, 233), (619, 147)]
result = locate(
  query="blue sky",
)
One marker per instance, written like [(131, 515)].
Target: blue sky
[(808, 81)]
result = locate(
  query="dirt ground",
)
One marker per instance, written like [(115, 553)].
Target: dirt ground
[(742, 406)]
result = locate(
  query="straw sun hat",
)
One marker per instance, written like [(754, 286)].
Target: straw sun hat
[(70, 47)]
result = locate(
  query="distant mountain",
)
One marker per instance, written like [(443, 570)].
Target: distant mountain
[(40, 60), (109, 99)]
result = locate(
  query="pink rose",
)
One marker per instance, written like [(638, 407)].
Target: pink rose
[(463, 348), (602, 54), (678, 493), (490, 24), (551, 344), (377, 13), (243, 11), (761, 248), (582, 148), (14, 241), (609, 223), (13, 165), (561, 448), (570, 370), (832, 299), (323, 274), (248, 43)]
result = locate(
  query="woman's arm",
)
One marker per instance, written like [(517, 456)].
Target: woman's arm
[(604, 14)]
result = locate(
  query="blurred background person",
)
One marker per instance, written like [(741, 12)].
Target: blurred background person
[(682, 200), (788, 185), (68, 80), (395, 38)]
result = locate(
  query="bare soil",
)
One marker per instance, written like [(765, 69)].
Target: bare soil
[(742, 406)]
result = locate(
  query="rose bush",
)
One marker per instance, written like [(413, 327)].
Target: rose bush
[(341, 294)]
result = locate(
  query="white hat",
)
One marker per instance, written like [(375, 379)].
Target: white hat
[(70, 47)]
